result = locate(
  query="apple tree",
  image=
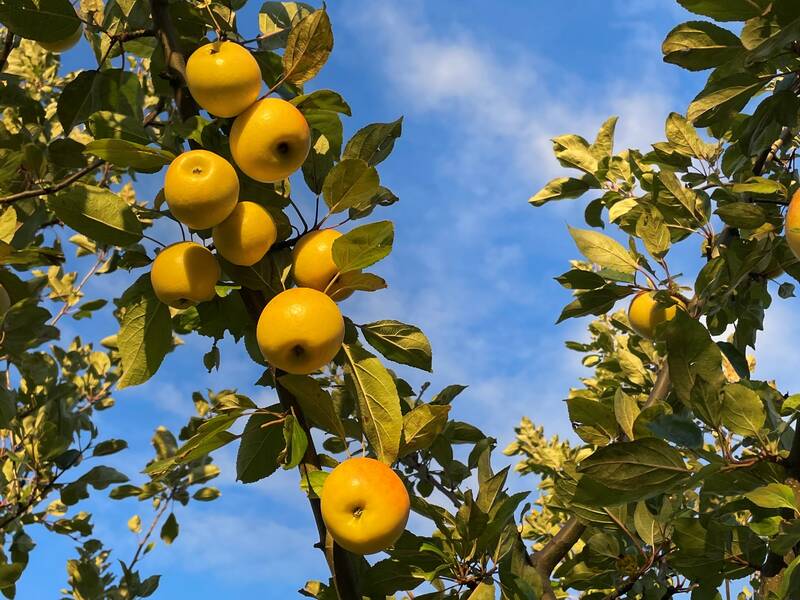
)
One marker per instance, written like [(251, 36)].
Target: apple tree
[(685, 474), (75, 147)]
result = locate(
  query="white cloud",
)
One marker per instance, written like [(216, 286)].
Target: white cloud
[(504, 105), (472, 267)]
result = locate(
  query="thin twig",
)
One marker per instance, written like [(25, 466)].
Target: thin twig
[(100, 258), (56, 187), (162, 509)]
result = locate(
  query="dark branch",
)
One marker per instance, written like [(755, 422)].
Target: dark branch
[(8, 45), (56, 187)]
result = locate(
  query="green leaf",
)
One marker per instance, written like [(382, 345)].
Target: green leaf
[(114, 90), (573, 151), (421, 425), (773, 495), (40, 20), (560, 188), (109, 447), (315, 402), (687, 197), (97, 213), (206, 494), (761, 187), (378, 402), (776, 44), (9, 574), (603, 250), (699, 45), (678, 429), (722, 96), (262, 443), (276, 19), (484, 591), (742, 214), (129, 155), (401, 343), (647, 466), (789, 580), (307, 48), (363, 246), (581, 279), (693, 358), (374, 142), (729, 10), (296, 442), (652, 230), (315, 480), (170, 529), (448, 394), (145, 334), (594, 302), (603, 146), (743, 411), (349, 184), (626, 410), (646, 526), (356, 281), (684, 138)]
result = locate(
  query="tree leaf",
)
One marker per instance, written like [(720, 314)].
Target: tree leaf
[(647, 465), (363, 246), (743, 411), (603, 250), (684, 138), (773, 495), (130, 155), (296, 442), (170, 529), (722, 96), (307, 48), (374, 142), (742, 214), (573, 151), (114, 90), (350, 183), (315, 402), (699, 45), (652, 230), (97, 213), (378, 402), (401, 343), (145, 334), (625, 410), (730, 10), (421, 425), (560, 188), (43, 20), (262, 442), (276, 19)]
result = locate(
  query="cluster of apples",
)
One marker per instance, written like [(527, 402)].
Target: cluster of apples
[(365, 504), (301, 329)]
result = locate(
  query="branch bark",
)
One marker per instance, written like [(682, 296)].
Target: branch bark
[(8, 45), (340, 562)]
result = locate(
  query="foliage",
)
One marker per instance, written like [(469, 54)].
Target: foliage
[(687, 471)]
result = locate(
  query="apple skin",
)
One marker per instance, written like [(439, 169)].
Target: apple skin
[(270, 140)]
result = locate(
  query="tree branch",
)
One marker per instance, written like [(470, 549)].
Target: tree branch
[(8, 45), (340, 562), (174, 57), (56, 187)]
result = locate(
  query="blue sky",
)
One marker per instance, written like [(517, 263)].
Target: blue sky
[(482, 86)]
